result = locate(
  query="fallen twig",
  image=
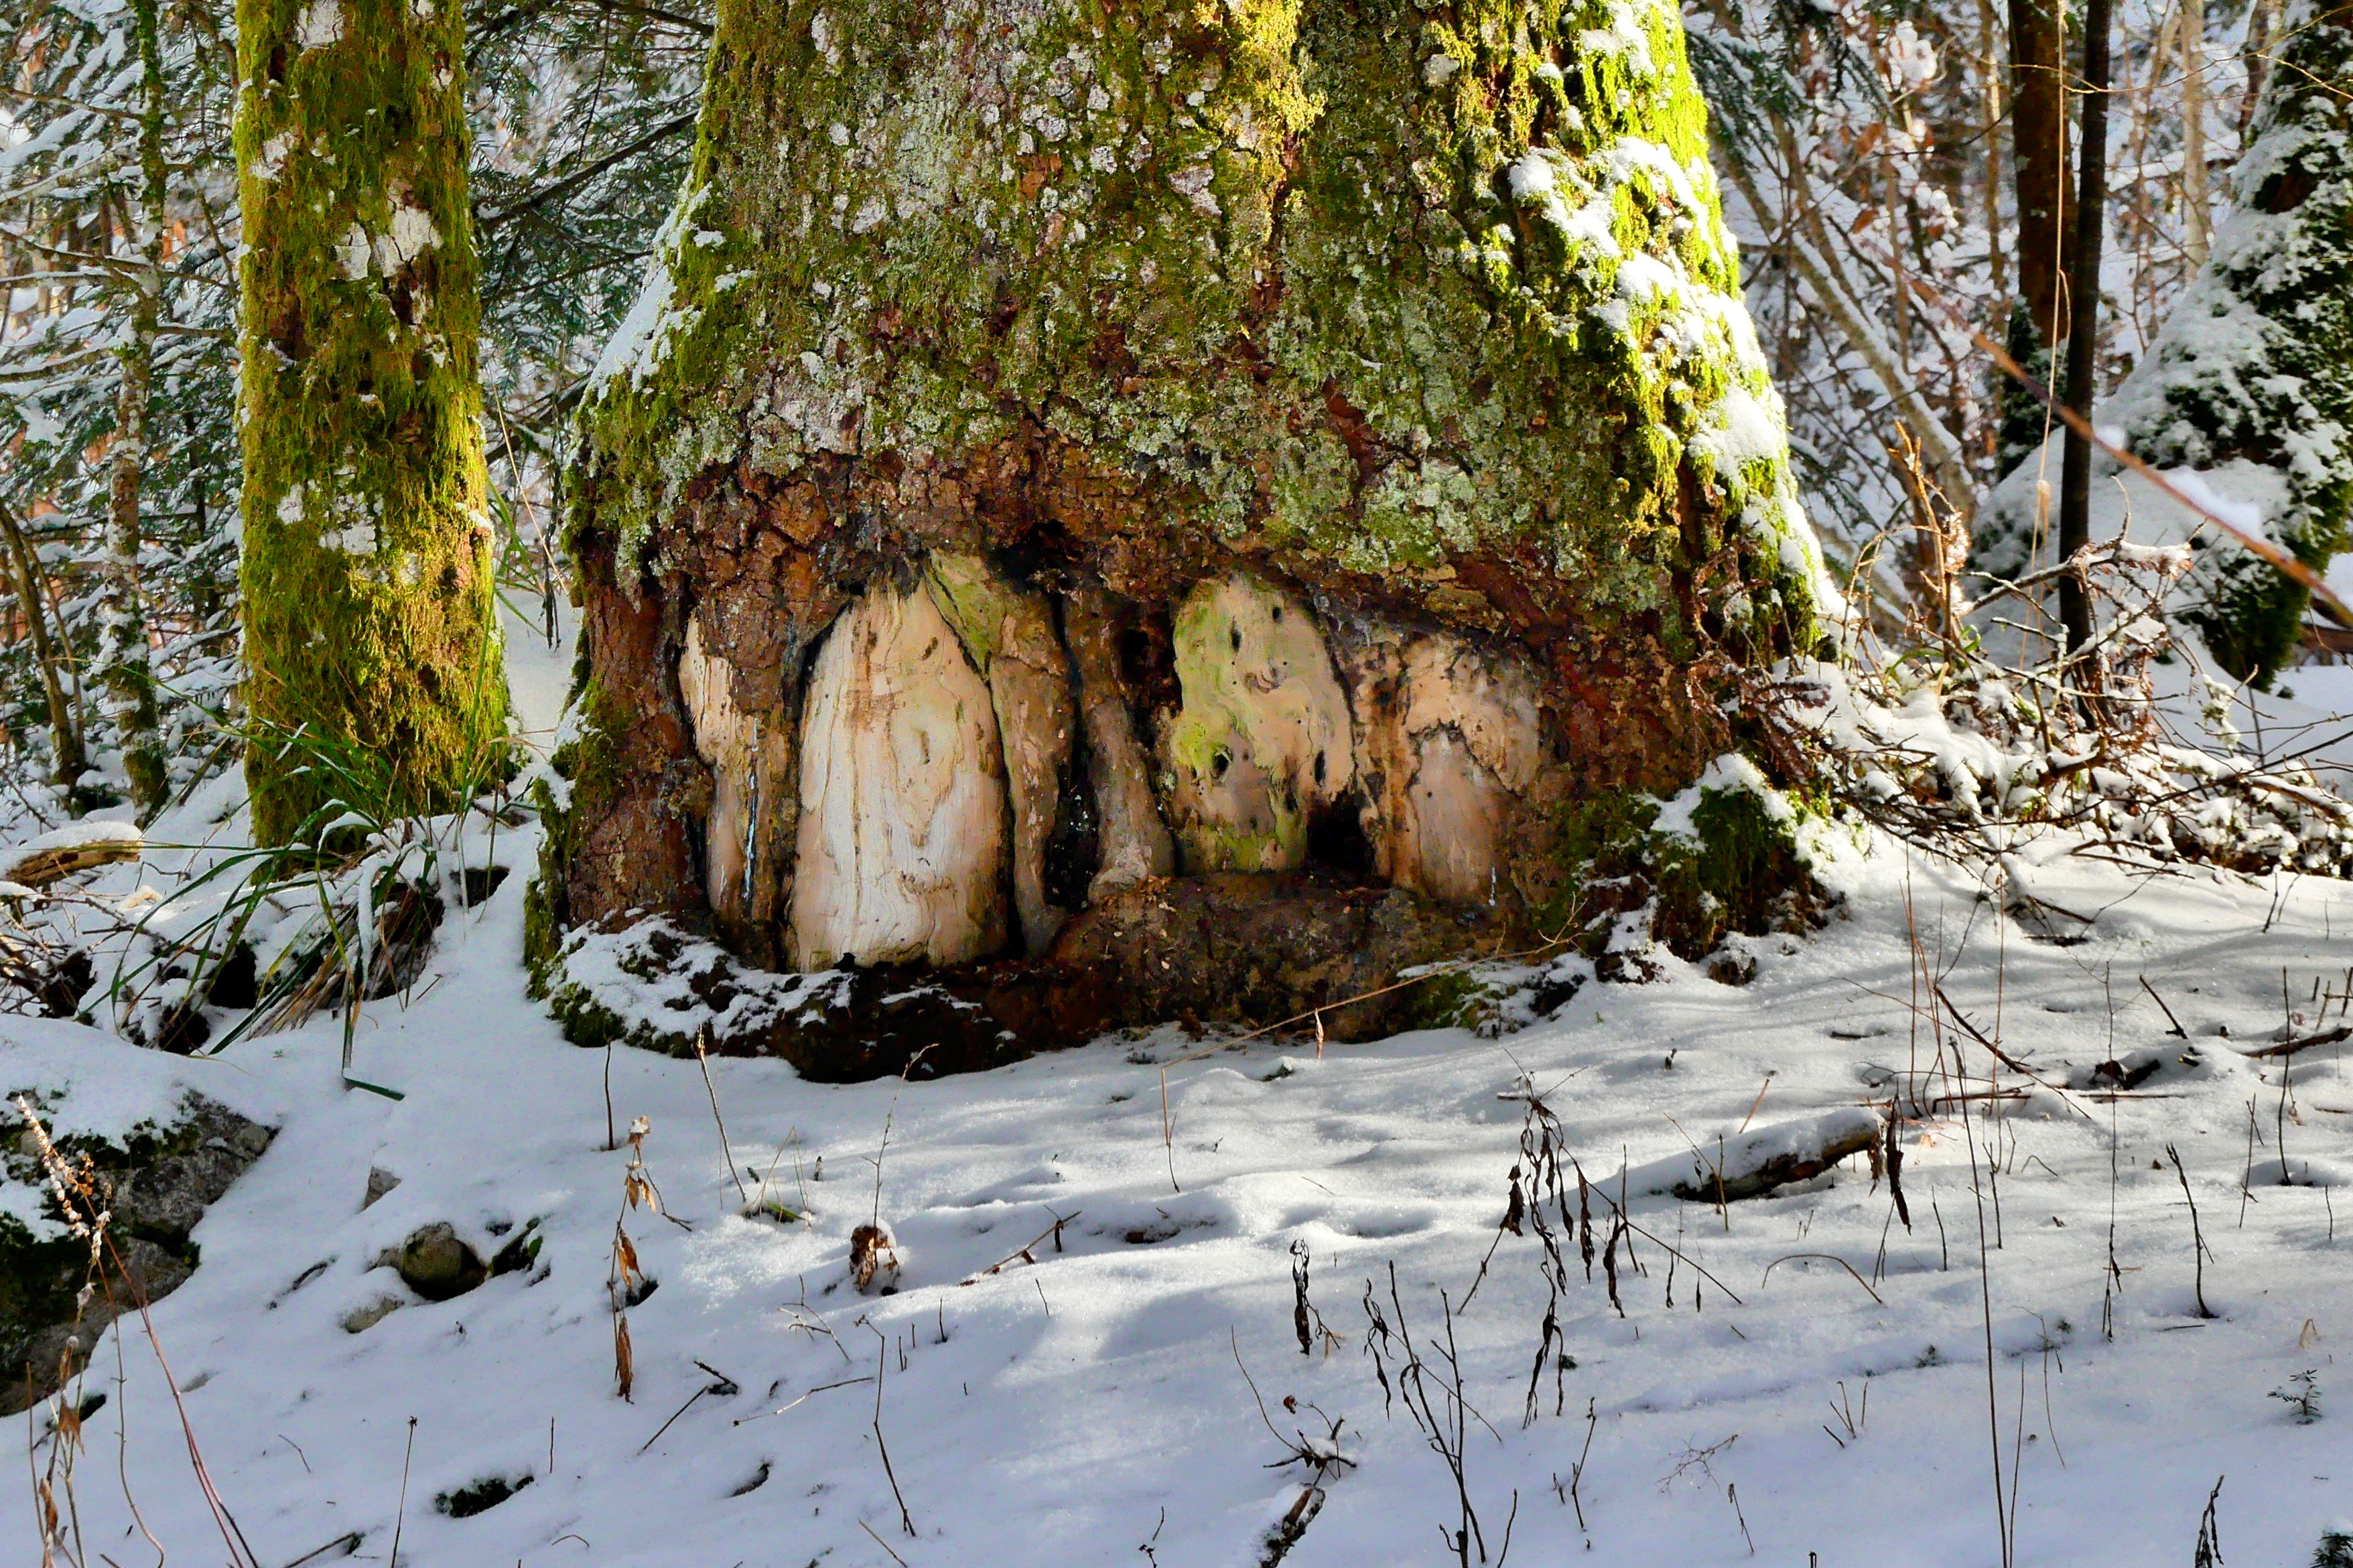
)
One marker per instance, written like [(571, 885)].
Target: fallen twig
[(1027, 1254), (1826, 1257), (2289, 1048)]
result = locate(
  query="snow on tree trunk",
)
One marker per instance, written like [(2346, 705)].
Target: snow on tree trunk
[(1330, 434), (367, 561), (123, 671), (2250, 382)]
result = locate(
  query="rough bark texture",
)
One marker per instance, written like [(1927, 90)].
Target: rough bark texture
[(2037, 126), (124, 670), (1331, 432), (367, 544)]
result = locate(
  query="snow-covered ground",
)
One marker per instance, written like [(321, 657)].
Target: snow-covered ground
[(1092, 1406), (1136, 1394)]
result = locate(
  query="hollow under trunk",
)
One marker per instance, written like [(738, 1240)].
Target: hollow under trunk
[(1169, 511)]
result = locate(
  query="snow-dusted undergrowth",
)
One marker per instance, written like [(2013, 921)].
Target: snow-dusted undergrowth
[(1073, 1409), (1077, 1408)]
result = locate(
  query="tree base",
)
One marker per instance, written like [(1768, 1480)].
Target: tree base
[(1233, 949)]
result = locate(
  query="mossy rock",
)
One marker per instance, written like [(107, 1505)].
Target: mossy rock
[(161, 1179), (1732, 862)]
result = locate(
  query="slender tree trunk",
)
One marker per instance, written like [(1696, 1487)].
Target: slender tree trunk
[(2038, 121), (65, 734), (1997, 258), (125, 676), (2197, 213), (2262, 20), (367, 563), (2083, 324), (1170, 508)]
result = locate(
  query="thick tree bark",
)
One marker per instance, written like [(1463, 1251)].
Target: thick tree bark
[(1129, 485), (367, 561), (2038, 127), (125, 673)]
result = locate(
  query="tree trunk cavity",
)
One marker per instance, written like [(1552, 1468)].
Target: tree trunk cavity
[(1162, 511), (367, 555)]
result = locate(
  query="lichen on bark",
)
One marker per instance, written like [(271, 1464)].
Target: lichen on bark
[(1417, 325), (367, 553)]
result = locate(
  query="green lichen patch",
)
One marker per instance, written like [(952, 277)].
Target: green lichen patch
[(1371, 290)]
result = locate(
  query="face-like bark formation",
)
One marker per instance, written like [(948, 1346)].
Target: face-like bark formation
[(1327, 434), (903, 824), (1467, 743), (1262, 740)]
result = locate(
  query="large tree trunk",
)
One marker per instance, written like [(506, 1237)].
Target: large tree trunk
[(1311, 450), (124, 670), (367, 545)]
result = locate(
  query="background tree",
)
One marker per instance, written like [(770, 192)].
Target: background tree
[(117, 220), (2250, 380), (368, 540), (124, 667), (569, 101)]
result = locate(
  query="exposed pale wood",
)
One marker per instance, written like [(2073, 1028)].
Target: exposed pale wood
[(727, 739), (1136, 844), (903, 845), (1263, 736), (1010, 636), (1449, 743), (40, 868)]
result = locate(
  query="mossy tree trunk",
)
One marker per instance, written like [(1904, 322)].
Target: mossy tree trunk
[(367, 569), (1311, 451)]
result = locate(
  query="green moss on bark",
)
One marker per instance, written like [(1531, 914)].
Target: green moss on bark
[(1368, 291), (367, 568)]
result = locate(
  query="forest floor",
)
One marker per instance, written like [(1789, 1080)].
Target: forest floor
[(1794, 1379)]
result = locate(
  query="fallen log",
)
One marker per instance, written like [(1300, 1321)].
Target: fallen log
[(76, 847), (1755, 1163)]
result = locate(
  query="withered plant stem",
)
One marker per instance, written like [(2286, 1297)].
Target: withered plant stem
[(2197, 1236), (906, 1521), (726, 1150), (400, 1510), (1985, 1299)]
